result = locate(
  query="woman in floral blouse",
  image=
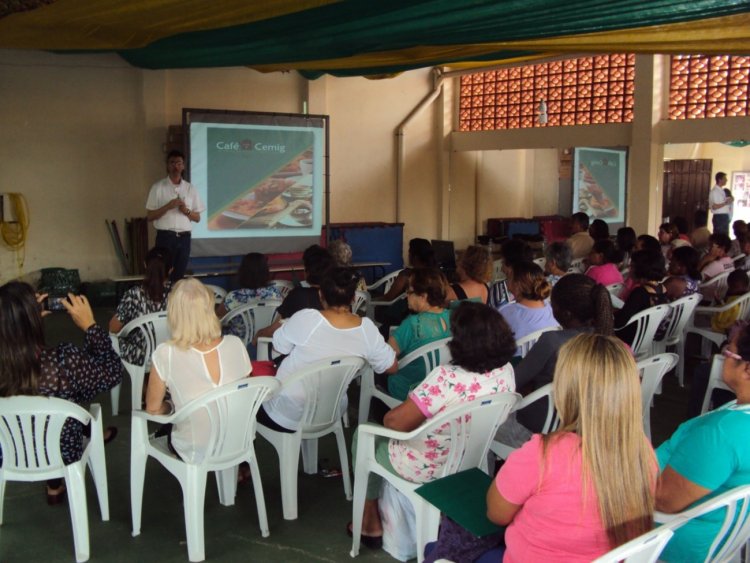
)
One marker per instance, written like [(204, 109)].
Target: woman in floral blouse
[(29, 367), (481, 348)]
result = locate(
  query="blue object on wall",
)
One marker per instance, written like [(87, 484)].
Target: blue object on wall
[(373, 242)]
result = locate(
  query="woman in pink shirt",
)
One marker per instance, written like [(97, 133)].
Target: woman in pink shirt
[(588, 487), (604, 258)]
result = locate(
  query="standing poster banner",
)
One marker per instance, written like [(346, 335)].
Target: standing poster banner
[(599, 183)]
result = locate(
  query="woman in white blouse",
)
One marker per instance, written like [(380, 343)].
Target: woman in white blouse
[(195, 361)]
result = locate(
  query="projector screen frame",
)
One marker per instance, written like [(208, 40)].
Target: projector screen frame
[(228, 116)]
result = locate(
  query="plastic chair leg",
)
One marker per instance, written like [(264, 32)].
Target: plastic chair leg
[(194, 493), (260, 499), (226, 482), (680, 350), (76, 486), (288, 466), (114, 395), (310, 456), (2, 498), (98, 466), (344, 460), (137, 475), (428, 522), (358, 508), (367, 383)]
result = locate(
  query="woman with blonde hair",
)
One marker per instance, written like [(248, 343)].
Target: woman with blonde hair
[(474, 273), (589, 486), (196, 360), (531, 310)]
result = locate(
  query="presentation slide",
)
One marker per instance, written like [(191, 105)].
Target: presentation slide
[(262, 177), (599, 183)]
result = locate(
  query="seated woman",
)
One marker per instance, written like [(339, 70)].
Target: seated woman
[(474, 273), (646, 272), (558, 494), (513, 250), (253, 278), (481, 348), (717, 260), (421, 255), (599, 230), (431, 322), (604, 258), (311, 335), (195, 361), (148, 297), (29, 367), (626, 239), (557, 261), (684, 275), (705, 457), (530, 311)]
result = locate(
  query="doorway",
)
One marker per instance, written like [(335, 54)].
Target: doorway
[(686, 186)]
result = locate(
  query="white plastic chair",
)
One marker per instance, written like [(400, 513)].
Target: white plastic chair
[(497, 271), (285, 286), (715, 381), (714, 289), (219, 293), (253, 316), (30, 430), (652, 371), (646, 548), (386, 281), (647, 323), (230, 411), (700, 323), (324, 384), (361, 301), (550, 423), (734, 532), (155, 330), (577, 266), (471, 426), (264, 349), (615, 289), (540, 262), (527, 342), (432, 355), (682, 310)]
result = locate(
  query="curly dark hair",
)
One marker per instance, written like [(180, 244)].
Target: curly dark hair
[(721, 240), (688, 257), (429, 282), (599, 230), (338, 287), (647, 242), (317, 262), (482, 340), (254, 271), (608, 250)]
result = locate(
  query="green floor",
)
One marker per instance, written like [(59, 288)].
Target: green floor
[(33, 531)]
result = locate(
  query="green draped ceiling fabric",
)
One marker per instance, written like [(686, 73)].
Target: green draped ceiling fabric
[(357, 37)]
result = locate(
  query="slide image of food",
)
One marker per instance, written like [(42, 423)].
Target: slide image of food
[(592, 199)]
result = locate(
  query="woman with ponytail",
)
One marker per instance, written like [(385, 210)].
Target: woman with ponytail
[(589, 486), (149, 297), (530, 311)]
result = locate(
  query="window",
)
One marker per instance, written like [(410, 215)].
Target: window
[(708, 86), (581, 91)]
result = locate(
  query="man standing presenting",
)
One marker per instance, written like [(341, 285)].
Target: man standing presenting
[(173, 204), (720, 204)]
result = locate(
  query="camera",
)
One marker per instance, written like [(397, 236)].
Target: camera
[(52, 303)]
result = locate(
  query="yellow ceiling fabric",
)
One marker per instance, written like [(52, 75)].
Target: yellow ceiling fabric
[(126, 24)]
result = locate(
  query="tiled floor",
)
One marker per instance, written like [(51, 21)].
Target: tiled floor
[(32, 531)]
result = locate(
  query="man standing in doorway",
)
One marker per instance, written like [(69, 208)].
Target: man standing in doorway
[(720, 204), (173, 204)]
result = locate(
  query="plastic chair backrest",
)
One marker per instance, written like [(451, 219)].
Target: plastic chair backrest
[(230, 411), (615, 288), (681, 312), (652, 370), (219, 293), (735, 529), (497, 270), (647, 323), (715, 288), (433, 355), (541, 262), (527, 342), (386, 281), (324, 384), (254, 316), (285, 286), (154, 329), (30, 430), (576, 266), (646, 548), (471, 426), (361, 298)]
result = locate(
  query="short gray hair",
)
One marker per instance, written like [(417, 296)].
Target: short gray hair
[(559, 253)]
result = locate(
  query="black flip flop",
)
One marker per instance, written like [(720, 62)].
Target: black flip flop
[(371, 542)]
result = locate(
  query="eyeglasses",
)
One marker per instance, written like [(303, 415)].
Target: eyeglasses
[(727, 353)]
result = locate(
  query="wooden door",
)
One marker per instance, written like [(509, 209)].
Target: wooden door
[(686, 186)]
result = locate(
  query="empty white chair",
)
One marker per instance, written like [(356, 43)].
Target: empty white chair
[(681, 312), (382, 285), (472, 425), (527, 342), (432, 355), (251, 317), (646, 322), (155, 330), (285, 286), (700, 324), (715, 381), (324, 384), (652, 371), (219, 293), (734, 532), (550, 423), (30, 430), (230, 412), (714, 289), (646, 548)]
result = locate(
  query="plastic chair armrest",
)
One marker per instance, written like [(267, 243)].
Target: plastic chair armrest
[(377, 430)]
